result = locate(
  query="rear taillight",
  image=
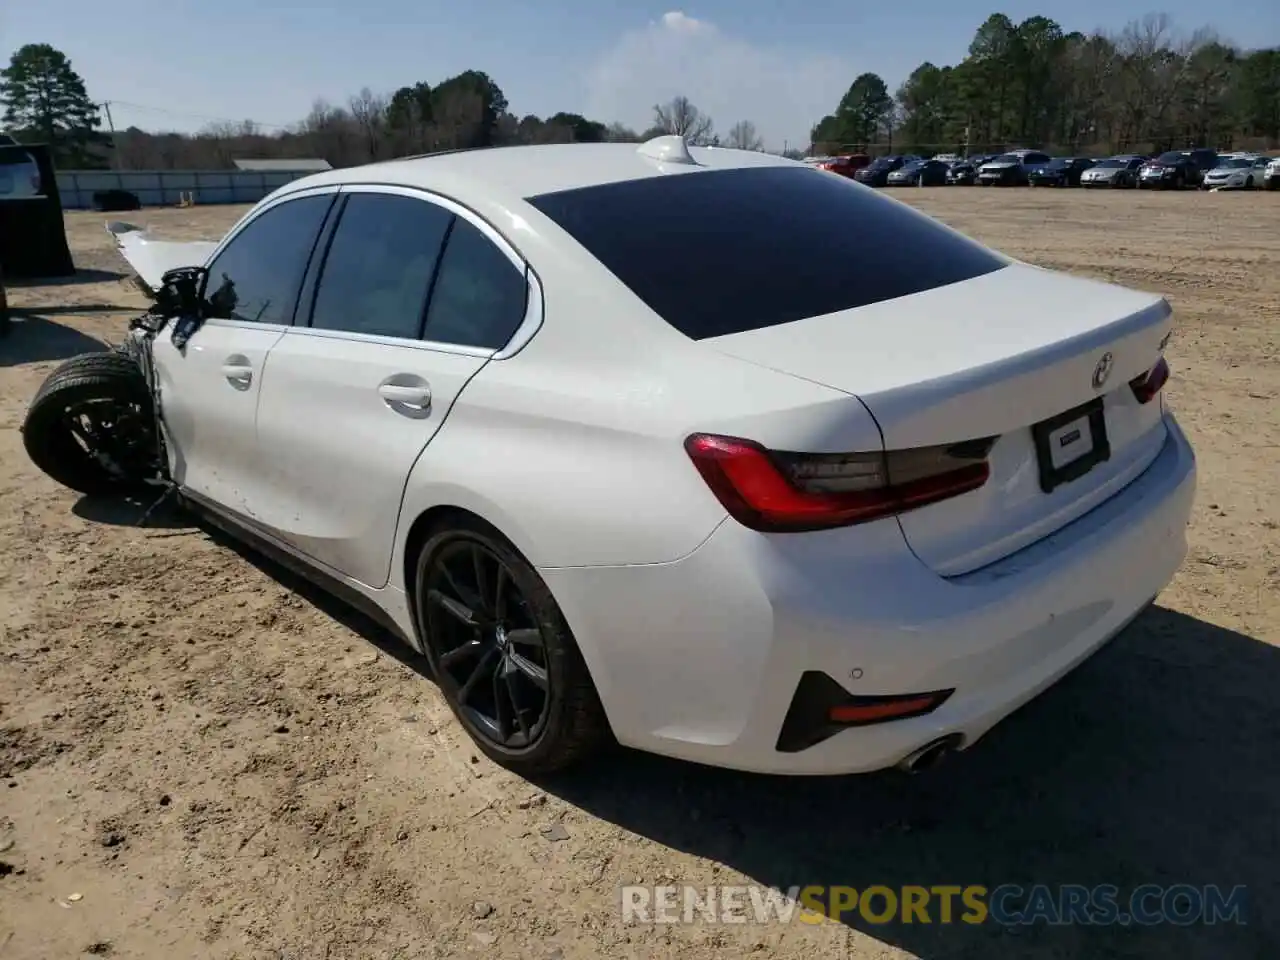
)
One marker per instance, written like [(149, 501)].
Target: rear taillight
[(775, 492), (1150, 383)]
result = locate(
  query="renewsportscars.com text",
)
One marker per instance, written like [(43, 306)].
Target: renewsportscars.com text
[(1007, 904)]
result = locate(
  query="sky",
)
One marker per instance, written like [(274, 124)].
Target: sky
[(180, 64)]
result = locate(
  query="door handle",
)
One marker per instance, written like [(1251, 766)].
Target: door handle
[(238, 375), (404, 395)]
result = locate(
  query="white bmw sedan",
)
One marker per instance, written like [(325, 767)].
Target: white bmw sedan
[(628, 446)]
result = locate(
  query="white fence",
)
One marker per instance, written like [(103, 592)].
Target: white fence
[(164, 188)]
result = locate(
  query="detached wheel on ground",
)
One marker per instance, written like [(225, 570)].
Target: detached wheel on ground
[(91, 426), (502, 653)]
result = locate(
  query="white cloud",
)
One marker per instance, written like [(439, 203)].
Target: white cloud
[(784, 92)]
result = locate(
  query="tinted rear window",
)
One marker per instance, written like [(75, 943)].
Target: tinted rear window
[(725, 251)]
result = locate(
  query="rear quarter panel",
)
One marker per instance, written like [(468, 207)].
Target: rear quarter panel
[(573, 447)]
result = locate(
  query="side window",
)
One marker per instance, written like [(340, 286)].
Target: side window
[(257, 275), (480, 297), (379, 267)]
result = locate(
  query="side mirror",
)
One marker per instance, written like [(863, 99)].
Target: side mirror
[(180, 293)]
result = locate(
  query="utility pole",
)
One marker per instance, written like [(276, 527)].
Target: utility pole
[(115, 153)]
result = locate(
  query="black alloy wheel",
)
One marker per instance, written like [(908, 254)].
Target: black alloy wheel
[(488, 645), (503, 655), (91, 425)]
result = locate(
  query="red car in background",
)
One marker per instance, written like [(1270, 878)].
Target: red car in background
[(847, 165)]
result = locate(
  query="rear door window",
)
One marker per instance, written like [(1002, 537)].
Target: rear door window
[(480, 296), (725, 251)]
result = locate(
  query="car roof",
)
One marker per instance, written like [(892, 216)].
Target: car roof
[(509, 175)]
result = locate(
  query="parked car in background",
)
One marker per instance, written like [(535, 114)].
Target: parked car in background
[(964, 173), (1271, 178), (1011, 169), (1236, 173), (1119, 171), (919, 173), (876, 174), (19, 173), (846, 166), (1177, 169), (1060, 172)]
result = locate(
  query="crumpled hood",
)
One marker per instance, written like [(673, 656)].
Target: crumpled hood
[(151, 258)]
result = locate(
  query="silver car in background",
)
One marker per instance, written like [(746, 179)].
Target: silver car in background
[(1236, 173), (19, 173), (1119, 171)]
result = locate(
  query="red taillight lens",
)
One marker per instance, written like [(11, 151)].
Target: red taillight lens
[(776, 492), (1150, 383)]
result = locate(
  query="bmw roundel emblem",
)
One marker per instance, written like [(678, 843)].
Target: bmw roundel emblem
[(1103, 370)]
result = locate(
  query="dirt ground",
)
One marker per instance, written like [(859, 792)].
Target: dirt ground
[(201, 758)]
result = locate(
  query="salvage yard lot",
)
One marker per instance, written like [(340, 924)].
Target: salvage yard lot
[(198, 761)]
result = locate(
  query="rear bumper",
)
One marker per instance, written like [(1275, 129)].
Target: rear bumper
[(700, 658)]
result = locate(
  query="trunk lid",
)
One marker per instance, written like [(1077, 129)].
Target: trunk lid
[(992, 356)]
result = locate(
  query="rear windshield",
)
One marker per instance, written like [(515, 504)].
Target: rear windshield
[(725, 251)]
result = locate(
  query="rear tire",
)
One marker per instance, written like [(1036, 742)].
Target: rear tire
[(93, 404), (553, 716)]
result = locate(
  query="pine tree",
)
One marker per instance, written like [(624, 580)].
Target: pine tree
[(45, 101)]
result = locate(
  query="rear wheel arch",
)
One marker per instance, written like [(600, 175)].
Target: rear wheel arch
[(583, 727), (426, 524), (430, 522)]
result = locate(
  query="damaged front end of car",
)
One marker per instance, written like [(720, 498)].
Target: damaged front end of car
[(96, 423)]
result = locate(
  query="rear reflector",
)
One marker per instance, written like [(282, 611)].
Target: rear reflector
[(863, 710), (778, 492), (1150, 383), (820, 708)]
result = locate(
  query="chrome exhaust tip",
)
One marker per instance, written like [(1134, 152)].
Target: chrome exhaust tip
[(931, 754)]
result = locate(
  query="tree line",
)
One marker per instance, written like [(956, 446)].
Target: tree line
[(1032, 84), (45, 101), (1024, 84)]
